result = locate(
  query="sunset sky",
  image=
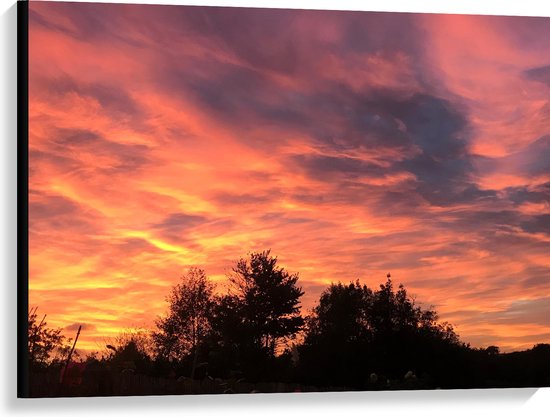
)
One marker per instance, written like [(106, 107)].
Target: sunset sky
[(352, 144)]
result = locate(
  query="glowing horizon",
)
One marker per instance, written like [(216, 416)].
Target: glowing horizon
[(351, 144)]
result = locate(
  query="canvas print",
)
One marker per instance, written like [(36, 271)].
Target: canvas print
[(243, 200)]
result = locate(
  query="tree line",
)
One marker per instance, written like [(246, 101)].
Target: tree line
[(354, 338)]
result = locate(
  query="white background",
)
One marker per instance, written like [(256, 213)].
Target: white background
[(509, 402)]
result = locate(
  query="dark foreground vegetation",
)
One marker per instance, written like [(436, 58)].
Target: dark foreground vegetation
[(254, 339)]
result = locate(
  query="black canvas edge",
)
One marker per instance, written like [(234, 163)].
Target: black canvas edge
[(22, 197)]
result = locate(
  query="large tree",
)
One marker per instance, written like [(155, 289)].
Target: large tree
[(355, 331), (187, 323), (268, 298), (337, 336), (341, 314)]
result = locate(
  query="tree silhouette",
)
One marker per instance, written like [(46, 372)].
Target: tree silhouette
[(393, 312), (341, 314), (229, 341), (406, 336), (355, 331), (45, 345), (337, 336), (268, 299), (187, 324)]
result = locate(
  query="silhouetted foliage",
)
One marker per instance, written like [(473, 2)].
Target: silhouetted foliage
[(406, 337), (355, 331), (268, 299), (342, 314), (261, 310), (337, 336), (187, 324), (229, 340), (46, 346)]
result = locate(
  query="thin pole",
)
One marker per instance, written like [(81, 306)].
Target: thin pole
[(70, 354)]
